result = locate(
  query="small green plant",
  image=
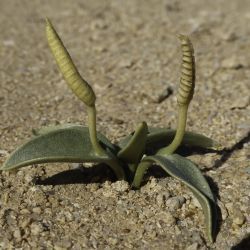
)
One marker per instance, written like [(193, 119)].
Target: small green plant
[(134, 154)]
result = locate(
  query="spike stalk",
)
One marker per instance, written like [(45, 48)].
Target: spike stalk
[(185, 93)]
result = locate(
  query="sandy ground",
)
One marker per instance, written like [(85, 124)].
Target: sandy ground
[(129, 52)]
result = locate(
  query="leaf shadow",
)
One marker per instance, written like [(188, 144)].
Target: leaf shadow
[(98, 173), (244, 244), (227, 153)]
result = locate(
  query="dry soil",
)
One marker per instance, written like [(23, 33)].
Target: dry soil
[(129, 52)]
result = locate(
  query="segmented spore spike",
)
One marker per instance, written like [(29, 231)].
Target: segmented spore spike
[(69, 71), (187, 81)]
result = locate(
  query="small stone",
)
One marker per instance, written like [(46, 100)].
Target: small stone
[(17, 234), (239, 218), (5, 198), (25, 223), (160, 200), (229, 206), (56, 247), (61, 218), (109, 193), (196, 238), (231, 63), (196, 203), (240, 103), (167, 218), (125, 63), (36, 229), (63, 245), (120, 186), (162, 197), (194, 246), (37, 210), (76, 166), (148, 212), (9, 43), (175, 202), (93, 187), (224, 213), (177, 230), (247, 170), (69, 216), (3, 152), (113, 241)]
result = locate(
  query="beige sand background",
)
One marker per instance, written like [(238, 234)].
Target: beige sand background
[(129, 52)]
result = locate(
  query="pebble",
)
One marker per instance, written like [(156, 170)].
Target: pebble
[(17, 234), (109, 193), (37, 210), (125, 63), (3, 152), (194, 246), (247, 170), (231, 63), (196, 238), (93, 187), (224, 213), (63, 245), (152, 187), (167, 218), (177, 230), (36, 229), (238, 218), (69, 216), (25, 223), (113, 241), (24, 211), (160, 200), (196, 203), (120, 186), (175, 202), (162, 197), (229, 206)]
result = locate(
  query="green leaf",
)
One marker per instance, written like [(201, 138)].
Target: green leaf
[(161, 137), (67, 143), (186, 171), (135, 147), (164, 136)]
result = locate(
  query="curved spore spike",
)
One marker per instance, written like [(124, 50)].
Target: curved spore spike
[(187, 81), (69, 71)]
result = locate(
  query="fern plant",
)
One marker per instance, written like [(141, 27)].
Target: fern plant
[(134, 154)]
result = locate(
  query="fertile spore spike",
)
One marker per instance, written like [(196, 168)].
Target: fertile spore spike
[(187, 81), (69, 71)]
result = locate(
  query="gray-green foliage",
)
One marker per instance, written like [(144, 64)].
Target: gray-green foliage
[(134, 154)]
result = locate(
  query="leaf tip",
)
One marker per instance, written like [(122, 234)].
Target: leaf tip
[(47, 21)]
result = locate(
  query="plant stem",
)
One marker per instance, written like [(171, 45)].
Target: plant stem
[(141, 169), (113, 162), (115, 165), (181, 125), (91, 110)]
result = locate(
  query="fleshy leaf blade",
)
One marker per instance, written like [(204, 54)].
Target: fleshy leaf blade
[(186, 171), (134, 148), (164, 136), (58, 144)]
